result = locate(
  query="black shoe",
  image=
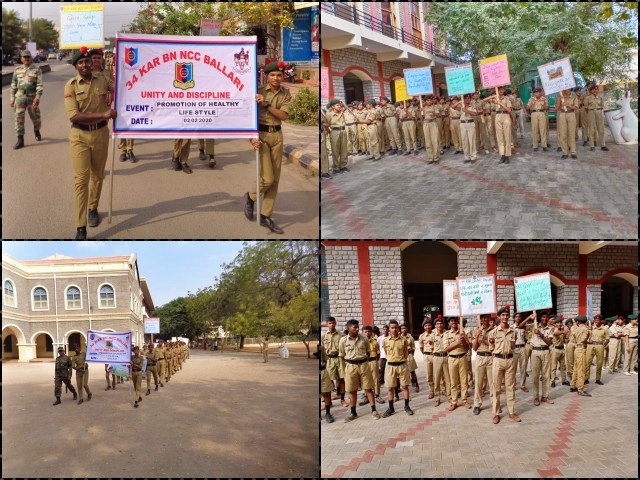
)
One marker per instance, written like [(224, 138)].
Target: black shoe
[(502, 159), (476, 410), (80, 401), (57, 402), (558, 149), (388, 412), (89, 397), (326, 176), (592, 149), (81, 233), (19, 143), (599, 382), (535, 149), (605, 149), (75, 395), (132, 158), (161, 384), (408, 410), (201, 156), (148, 392), (267, 222), (586, 382), (124, 156), (139, 399), (344, 169), (553, 384), (564, 156), (248, 206), (37, 134), (93, 218), (545, 149), (156, 389), (584, 394), (566, 383), (186, 168), (212, 162), (175, 164), (506, 159), (573, 155), (135, 404), (458, 151), (467, 161), (329, 418), (108, 388), (584, 144), (574, 389)]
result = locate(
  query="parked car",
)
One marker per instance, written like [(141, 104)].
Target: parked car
[(52, 56), (7, 60)]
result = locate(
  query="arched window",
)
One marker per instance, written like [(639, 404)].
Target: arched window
[(9, 294), (107, 297), (73, 298), (40, 299)]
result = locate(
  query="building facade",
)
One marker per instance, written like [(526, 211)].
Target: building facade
[(54, 301), (366, 46), (377, 281)]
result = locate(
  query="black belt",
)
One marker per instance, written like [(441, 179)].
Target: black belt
[(90, 128), (541, 348), (486, 114), (633, 338), (439, 354), (134, 370), (460, 355), (152, 364), (322, 367), (427, 353), (332, 355), (426, 120), (597, 343), (504, 357), (337, 128), (349, 124), (407, 120), (452, 118), (502, 113), (537, 110), (466, 121), (483, 354), (595, 109), (516, 109), (561, 347), (389, 116), (395, 364), (269, 128), (373, 359), (520, 345), (356, 362)]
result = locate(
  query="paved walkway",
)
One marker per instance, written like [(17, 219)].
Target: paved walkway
[(537, 195), (575, 437), (301, 146)]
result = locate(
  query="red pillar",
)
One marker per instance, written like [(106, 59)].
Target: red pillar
[(326, 62), (364, 272), (582, 284)]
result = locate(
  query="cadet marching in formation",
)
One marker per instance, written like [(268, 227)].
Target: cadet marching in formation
[(468, 124), (162, 362), (352, 360)]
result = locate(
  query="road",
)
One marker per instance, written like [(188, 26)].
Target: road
[(223, 415), (150, 200)]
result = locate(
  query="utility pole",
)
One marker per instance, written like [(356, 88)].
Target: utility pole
[(30, 19)]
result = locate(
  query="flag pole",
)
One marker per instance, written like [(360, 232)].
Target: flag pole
[(258, 186)]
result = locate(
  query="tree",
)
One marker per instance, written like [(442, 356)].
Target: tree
[(535, 33), (43, 33), (13, 32)]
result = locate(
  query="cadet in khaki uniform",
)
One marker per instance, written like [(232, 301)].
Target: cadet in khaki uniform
[(519, 352), (594, 105), (616, 343), (468, 132), (558, 353), (484, 362), (372, 130), (440, 361), (354, 349), (206, 148), (397, 371), (63, 375), (324, 156), (578, 112), (411, 362), (331, 342), (374, 354), (339, 142), (430, 129), (382, 133), (580, 334), (265, 349), (443, 113), (274, 101), (631, 345), (403, 142), (325, 385), (82, 373), (486, 127), (152, 369), (136, 374), (454, 122), (352, 131), (518, 109), (363, 134), (566, 105), (26, 91), (569, 347), (388, 113), (113, 378), (540, 359), (86, 101), (537, 107), (161, 361), (407, 118), (503, 125), (181, 147), (598, 339), (456, 345), (503, 340), (425, 344)]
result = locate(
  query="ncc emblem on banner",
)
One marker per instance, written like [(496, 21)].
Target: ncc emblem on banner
[(184, 76), (131, 56)]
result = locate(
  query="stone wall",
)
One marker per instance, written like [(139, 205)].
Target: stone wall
[(611, 257), (344, 284), (516, 258), (386, 284)]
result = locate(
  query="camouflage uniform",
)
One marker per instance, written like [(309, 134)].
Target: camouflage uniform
[(26, 85), (63, 375)]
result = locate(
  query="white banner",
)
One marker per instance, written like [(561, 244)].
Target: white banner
[(171, 86), (451, 298), (108, 347), (556, 76), (119, 369), (151, 325)]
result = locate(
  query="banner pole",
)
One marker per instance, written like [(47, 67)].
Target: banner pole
[(113, 156), (258, 186)]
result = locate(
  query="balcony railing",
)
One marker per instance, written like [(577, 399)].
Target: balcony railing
[(353, 15)]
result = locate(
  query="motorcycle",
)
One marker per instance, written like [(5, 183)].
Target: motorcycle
[(290, 73)]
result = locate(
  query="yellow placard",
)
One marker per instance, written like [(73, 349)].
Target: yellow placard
[(400, 90)]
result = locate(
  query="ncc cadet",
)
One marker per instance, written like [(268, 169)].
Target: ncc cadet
[(388, 113), (468, 132), (519, 352), (558, 352), (503, 124), (86, 100), (408, 121), (580, 334), (486, 126), (375, 145), (325, 385), (63, 375), (598, 339), (411, 362), (403, 142), (477, 120), (206, 148), (265, 349), (578, 112), (363, 135), (397, 371), (374, 354), (82, 373), (594, 105), (355, 351), (503, 340), (161, 362), (541, 359), (616, 343), (25, 94), (274, 101), (443, 121), (352, 131), (425, 344), (518, 109), (569, 347), (152, 369), (430, 129), (338, 136), (631, 345), (324, 155), (454, 117), (113, 378), (456, 345), (331, 342), (136, 374), (484, 362), (440, 362), (382, 133), (537, 106), (566, 105)]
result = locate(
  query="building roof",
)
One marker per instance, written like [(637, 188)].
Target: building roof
[(58, 259)]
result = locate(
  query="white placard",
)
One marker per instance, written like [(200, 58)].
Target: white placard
[(151, 325), (477, 294), (556, 76), (450, 298)]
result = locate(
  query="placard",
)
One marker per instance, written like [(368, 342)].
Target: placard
[(459, 79), (400, 89), (82, 26), (418, 80), (477, 294), (533, 292), (451, 300), (494, 71), (151, 325), (108, 347), (556, 76)]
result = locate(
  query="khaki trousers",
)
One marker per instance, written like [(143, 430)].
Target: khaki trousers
[(82, 380), (566, 132), (374, 140), (520, 362), (539, 127), (569, 349), (484, 371), (363, 137), (459, 380), (440, 369), (428, 365), (430, 130), (504, 370), (409, 134), (540, 372), (584, 120), (161, 366), (468, 140), (598, 352), (557, 356), (88, 158), (324, 156), (382, 136), (447, 131), (270, 166), (339, 151), (137, 383), (181, 148), (152, 370), (580, 357), (373, 366), (125, 145), (632, 356), (352, 138), (391, 127), (503, 133), (614, 353), (596, 128), (420, 134), (455, 134)]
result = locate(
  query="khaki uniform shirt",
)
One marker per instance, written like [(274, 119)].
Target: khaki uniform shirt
[(455, 112), (361, 115), (28, 80), (615, 329), (558, 340), (388, 110), (536, 341), (407, 113), (280, 100), (504, 341), (484, 345), (411, 343), (331, 342), (374, 348), (521, 336), (571, 100), (516, 103), (537, 103), (599, 334), (136, 363), (396, 349), (78, 362), (423, 342), (504, 101), (336, 119), (354, 348), (465, 116), (580, 335), (451, 337), (372, 115), (631, 331), (160, 351), (430, 113), (443, 110), (152, 357), (438, 342), (348, 116), (593, 101), (379, 115), (81, 96)]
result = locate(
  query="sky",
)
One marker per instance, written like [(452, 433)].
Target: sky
[(172, 269)]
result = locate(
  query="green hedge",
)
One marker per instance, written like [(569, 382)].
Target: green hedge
[(304, 107)]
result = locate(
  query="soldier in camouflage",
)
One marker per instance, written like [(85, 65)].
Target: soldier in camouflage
[(26, 90), (63, 374)]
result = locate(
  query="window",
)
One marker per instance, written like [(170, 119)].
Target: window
[(415, 19), (40, 301), (107, 297), (9, 294), (74, 299)]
